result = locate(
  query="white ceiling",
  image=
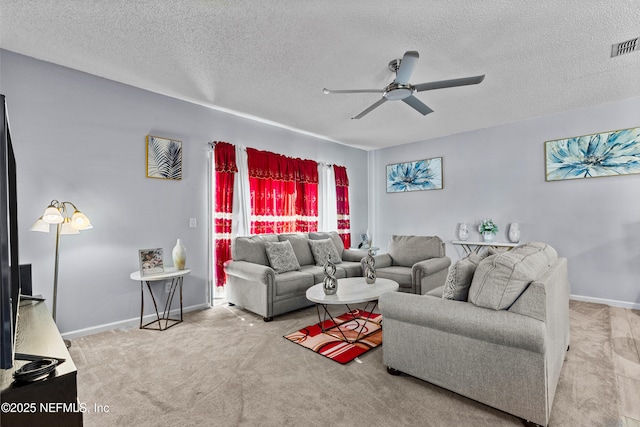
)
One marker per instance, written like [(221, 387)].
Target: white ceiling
[(271, 59)]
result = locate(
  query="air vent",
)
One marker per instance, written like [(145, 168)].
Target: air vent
[(624, 47)]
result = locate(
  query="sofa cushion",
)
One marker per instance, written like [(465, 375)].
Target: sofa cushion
[(397, 273), (323, 250), (351, 268), (281, 256), (407, 250), (251, 249), (300, 243), (293, 283), (318, 272), (500, 279), (437, 292), (459, 279), (333, 235)]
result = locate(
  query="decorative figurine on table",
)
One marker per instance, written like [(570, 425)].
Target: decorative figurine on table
[(369, 269), (514, 232), (463, 232), (330, 283)]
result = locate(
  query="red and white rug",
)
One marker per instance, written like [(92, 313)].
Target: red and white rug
[(331, 343)]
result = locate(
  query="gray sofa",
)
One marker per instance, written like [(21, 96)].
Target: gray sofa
[(255, 285), (504, 346), (418, 263)]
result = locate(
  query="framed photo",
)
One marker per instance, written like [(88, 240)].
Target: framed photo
[(164, 158), (151, 261), (591, 156), (415, 176)]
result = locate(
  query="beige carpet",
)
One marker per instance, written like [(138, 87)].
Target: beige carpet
[(226, 367)]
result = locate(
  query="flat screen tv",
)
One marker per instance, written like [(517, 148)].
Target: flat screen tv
[(9, 267)]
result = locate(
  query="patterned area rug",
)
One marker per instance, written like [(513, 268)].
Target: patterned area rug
[(332, 343)]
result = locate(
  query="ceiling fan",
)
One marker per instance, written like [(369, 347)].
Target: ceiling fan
[(401, 90)]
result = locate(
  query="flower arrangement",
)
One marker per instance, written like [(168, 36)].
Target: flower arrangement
[(488, 226)]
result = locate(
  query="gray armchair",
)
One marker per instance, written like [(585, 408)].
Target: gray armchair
[(504, 346), (417, 263)]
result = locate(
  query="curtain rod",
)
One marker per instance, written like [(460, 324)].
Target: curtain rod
[(212, 145)]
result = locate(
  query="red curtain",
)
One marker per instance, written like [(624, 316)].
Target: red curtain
[(306, 195), (342, 202), (284, 193), (225, 169)]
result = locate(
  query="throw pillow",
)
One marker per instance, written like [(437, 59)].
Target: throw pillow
[(281, 256), (459, 279), (300, 245), (333, 235), (500, 279), (323, 250)]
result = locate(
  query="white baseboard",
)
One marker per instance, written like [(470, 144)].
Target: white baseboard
[(129, 323), (611, 302), (135, 322)]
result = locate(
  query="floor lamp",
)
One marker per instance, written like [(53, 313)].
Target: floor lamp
[(57, 214)]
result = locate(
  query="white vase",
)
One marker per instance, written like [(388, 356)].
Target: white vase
[(463, 232), (179, 254), (488, 237), (514, 232)]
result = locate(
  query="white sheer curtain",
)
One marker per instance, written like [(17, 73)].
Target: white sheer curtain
[(327, 209), (241, 224)]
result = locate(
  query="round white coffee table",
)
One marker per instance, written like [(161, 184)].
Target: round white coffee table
[(352, 290)]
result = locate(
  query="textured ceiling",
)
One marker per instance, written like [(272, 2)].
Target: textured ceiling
[(271, 59)]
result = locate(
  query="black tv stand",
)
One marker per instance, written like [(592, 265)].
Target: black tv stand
[(37, 334), (31, 298), (35, 358)]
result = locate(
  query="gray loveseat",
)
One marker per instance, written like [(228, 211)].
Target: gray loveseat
[(418, 263), (503, 345), (255, 285)]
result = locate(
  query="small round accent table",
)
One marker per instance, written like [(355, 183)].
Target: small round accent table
[(176, 277), (352, 290)]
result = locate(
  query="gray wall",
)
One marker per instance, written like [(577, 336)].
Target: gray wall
[(81, 138), (499, 173)]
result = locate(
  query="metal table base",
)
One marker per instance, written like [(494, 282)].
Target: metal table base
[(176, 283)]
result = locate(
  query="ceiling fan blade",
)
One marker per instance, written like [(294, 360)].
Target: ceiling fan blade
[(328, 91), (421, 107), (407, 65), (370, 109), (449, 83)]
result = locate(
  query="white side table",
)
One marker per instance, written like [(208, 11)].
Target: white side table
[(477, 246), (176, 277), (374, 249)]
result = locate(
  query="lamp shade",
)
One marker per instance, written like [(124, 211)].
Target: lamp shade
[(79, 221), (67, 228), (52, 215), (40, 226)]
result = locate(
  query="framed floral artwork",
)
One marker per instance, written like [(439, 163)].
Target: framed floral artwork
[(591, 156), (164, 158), (418, 175), (151, 261)]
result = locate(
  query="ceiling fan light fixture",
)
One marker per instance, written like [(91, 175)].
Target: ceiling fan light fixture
[(396, 92)]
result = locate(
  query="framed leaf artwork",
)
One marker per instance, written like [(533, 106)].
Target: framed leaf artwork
[(164, 158)]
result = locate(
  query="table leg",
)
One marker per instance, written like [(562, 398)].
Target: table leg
[(175, 283), (354, 318)]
